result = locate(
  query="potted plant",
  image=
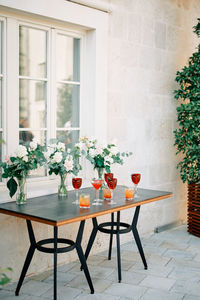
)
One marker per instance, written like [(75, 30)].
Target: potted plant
[(187, 136)]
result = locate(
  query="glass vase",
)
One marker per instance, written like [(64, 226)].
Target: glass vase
[(100, 172), (21, 191), (62, 189)]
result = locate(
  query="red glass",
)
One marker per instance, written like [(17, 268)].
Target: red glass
[(108, 176), (112, 183), (76, 182), (97, 184), (135, 178)]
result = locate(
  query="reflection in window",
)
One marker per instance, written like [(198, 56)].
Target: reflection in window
[(32, 52), (68, 89), (68, 58), (67, 105), (32, 101), (68, 137), (32, 87)]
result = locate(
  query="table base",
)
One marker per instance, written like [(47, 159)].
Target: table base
[(126, 228), (55, 250)]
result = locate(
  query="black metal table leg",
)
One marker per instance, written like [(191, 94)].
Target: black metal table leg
[(91, 239), (111, 238), (55, 250), (136, 236), (28, 257), (82, 257), (55, 262), (118, 248)]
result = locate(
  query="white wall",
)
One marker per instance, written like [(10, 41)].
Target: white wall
[(148, 41)]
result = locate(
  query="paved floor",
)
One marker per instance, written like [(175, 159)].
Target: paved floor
[(173, 273)]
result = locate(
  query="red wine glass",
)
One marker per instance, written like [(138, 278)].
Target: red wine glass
[(112, 183), (108, 176), (76, 182), (97, 183), (136, 179)]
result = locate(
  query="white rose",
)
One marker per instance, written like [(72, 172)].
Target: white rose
[(80, 145), (92, 152), (99, 151), (21, 151), (61, 147), (57, 158), (109, 159), (114, 150), (48, 153), (69, 165), (33, 145), (25, 158)]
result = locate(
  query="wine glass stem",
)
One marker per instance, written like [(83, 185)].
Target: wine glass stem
[(111, 194), (97, 194), (136, 189), (76, 194)]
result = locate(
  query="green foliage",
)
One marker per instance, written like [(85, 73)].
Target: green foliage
[(102, 155), (27, 158), (4, 279), (187, 136), (60, 160)]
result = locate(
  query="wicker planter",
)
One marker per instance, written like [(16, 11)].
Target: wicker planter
[(194, 209)]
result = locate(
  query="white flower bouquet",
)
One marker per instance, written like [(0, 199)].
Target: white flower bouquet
[(17, 166), (61, 160), (102, 155)]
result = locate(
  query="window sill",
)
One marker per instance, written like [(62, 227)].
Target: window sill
[(37, 188)]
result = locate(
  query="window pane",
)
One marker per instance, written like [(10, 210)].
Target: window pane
[(32, 52), (1, 35), (32, 104), (70, 138), (0, 102), (40, 136), (68, 58), (27, 136), (0, 154), (67, 105)]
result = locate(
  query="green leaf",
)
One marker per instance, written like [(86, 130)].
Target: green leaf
[(12, 186)]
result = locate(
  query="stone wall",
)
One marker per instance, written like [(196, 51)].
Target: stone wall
[(148, 41)]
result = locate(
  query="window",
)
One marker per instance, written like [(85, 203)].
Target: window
[(35, 99), (32, 84), (37, 79), (48, 61)]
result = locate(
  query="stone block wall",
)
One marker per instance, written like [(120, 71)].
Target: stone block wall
[(149, 40)]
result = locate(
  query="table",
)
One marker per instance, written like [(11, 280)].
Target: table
[(57, 212)]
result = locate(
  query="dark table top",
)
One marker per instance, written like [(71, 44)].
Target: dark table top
[(56, 211)]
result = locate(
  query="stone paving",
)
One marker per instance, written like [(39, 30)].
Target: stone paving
[(173, 273)]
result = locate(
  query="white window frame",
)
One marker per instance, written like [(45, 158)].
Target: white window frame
[(93, 26), (3, 76)]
